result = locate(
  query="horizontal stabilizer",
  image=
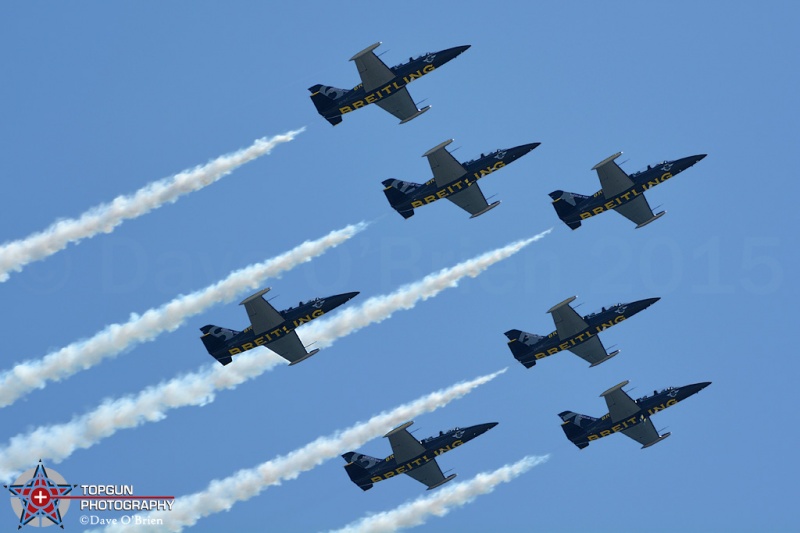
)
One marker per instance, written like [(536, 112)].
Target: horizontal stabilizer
[(646, 222), (659, 439), (306, 356), (562, 304), (574, 427), (604, 359), (445, 480), (415, 115), (487, 208)]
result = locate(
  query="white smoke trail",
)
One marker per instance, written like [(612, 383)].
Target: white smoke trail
[(222, 494), (57, 442), (442, 501), (115, 338), (379, 308), (14, 255)]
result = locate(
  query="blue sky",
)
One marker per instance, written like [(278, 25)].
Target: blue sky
[(101, 100)]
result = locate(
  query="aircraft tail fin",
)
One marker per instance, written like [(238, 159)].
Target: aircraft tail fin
[(574, 427), (324, 98), (398, 193), (565, 205), (520, 342), (215, 340), (357, 468)]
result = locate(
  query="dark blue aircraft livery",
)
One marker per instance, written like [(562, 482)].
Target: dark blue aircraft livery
[(626, 416), (452, 180), (573, 332), (414, 458), (269, 327), (380, 85), (620, 192)]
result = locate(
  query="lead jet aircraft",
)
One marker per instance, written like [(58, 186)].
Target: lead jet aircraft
[(620, 192), (452, 180), (573, 332), (631, 418), (380, 85), (270, 328), (410, 456)]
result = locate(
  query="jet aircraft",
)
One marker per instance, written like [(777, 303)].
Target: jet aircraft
[(452, 180), (620, 192), (380, 85), (573, 332), (631, 418), (269, 327), (410, 456)]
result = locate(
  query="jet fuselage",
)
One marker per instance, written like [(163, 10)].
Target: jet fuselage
[(648, 406), (293, 317), (475, 170), (553, 343), (434, 447), (642, 181), (404, 74)]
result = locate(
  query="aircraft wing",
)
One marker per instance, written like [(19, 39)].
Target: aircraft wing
[(290, 348), (613, 179), (404, 445), (263, 316), (637, 210), (444, 166), (429, 474), (620, 405), (591, 351), (644, 432), (372, 70), (400, 105), (568, 321), (472, 201)]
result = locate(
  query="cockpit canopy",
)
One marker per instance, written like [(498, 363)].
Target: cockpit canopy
[(302, 303), (604, 309), (441, 434), (655, 392), (410, 59)]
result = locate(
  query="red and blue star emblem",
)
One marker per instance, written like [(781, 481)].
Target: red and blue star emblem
[(39, 497)]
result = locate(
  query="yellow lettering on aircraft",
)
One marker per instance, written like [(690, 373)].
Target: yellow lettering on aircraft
[(624, 424), (403, 469), (581, 337), (626, 197), (384, 91), (274, 334)]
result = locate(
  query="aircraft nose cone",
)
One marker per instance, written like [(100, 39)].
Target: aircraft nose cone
[(483, 428), (700, 157), (696, 387), (650, 301), (528, 147), (350, 295), (462, 49)]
